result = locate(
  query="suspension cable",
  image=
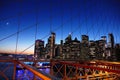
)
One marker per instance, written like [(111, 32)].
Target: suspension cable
[(62, 20), (17, 36), (17, 32), (71, 13), (15, 16), (98, 29), (49, 33), (50, 16), (69, 20), (36, 22)]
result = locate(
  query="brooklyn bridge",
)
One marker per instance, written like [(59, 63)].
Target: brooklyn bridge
[(59, 40)]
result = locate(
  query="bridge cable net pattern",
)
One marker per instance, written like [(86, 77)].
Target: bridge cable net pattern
[(86, 71), (37, 23)]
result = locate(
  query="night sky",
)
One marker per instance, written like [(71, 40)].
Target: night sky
[(35, 19)]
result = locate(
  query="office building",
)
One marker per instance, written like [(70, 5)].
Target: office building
[(50, 46), (39, 49)]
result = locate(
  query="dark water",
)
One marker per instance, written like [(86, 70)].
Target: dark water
[(27, 75), (7, 70)]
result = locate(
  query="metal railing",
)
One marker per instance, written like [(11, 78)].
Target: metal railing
[(8, 69), (68, 70)]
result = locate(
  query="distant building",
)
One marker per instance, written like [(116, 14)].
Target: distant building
[(57, 51), (117, 51), (84, 52), (111, 41), (111, 46), (68, 39), (66, 47), (74, 49), (92, 47), (71, 48), (50, 46), (39, 49), (85, 40), (100, 49)]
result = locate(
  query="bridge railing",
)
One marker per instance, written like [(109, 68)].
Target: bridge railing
[(68, 70), (8, 71)]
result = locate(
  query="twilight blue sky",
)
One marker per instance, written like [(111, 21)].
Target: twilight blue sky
[(95, 18)]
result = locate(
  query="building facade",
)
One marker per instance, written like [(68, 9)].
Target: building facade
[(39, 50), (71, 48), (50, 46), (74, 49)]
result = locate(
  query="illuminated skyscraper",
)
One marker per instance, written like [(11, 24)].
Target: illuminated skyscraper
[(111, 41), (92, 47), (111, 46), (84, 53), (85, 40), (71, 48), (50, 46), (39, 48)]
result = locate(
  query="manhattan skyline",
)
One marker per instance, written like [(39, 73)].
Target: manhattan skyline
[(94, 18)]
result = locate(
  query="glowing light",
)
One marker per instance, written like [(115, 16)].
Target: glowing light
[(7, 23)]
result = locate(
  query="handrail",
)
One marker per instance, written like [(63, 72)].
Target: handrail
[(114, 70), (34, 71)]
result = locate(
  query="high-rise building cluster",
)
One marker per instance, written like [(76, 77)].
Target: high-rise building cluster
[(75, 49)]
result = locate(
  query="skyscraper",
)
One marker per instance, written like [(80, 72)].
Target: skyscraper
[(84, 52), (111, 40), (111, 45), (50, 46), (85, 40), (71, 48), (39, 48)]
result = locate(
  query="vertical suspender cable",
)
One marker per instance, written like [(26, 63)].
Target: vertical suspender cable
[(61, 20), (36, 26), (17, 35), (77, 15), (89, 27), (79, 21), (50, 16), (71, 19), (86, 16), (115, 29), (36, 21), (18, 27)]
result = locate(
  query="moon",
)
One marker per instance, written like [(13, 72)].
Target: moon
[(7, 23)]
